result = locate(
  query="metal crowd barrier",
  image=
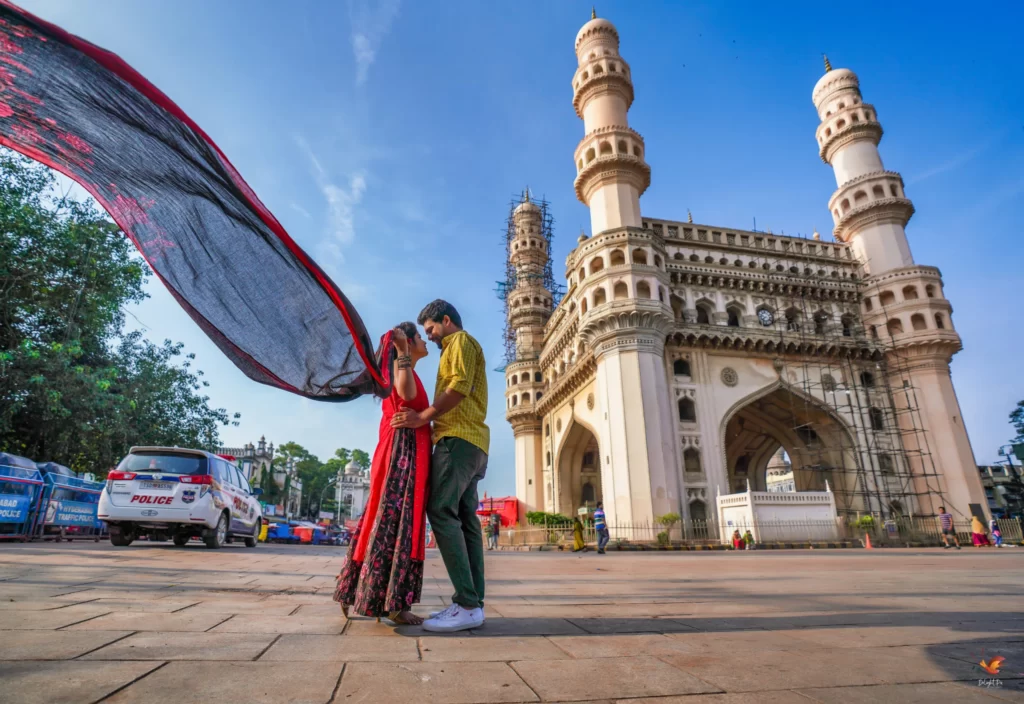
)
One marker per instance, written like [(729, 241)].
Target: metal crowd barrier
[(21, 486), (68, 509)]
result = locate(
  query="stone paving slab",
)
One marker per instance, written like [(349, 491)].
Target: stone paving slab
[(437, 683), (66, 682), (53, 645), (581, 680), (664, 628), (258, 683)]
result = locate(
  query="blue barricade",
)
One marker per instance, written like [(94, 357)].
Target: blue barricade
[(68, 508), (21, 485)]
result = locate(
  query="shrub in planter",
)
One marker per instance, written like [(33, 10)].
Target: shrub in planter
[(663, 538)]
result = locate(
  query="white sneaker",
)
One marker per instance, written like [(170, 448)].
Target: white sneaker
[(444, 611), (456, 619)]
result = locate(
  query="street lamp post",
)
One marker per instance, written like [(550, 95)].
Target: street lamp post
[(320, 502)]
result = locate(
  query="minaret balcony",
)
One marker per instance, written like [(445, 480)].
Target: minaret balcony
[(592, 80), (611, 169), (882, 210), (851, 125), (864, 190)]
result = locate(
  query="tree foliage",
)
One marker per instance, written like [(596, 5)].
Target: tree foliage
[(1017, 420), (74, 388)]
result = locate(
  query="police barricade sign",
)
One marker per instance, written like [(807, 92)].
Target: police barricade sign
[(71, 513), (13, 508)]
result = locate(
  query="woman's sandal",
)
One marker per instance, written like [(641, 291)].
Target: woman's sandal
[(344, 610), (397, 618)]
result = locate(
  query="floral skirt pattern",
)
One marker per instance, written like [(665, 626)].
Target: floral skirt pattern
[(388, 579)]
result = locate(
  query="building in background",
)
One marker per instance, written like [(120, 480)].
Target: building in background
[(682, 356), (253, 460), (351, 492), (779, 473)]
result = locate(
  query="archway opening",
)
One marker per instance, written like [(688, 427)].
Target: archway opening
[(783, 441), (579, 471)]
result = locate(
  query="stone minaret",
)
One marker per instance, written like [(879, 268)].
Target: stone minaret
[(903, 303), (529, 309), (611, 171), (618, 282)]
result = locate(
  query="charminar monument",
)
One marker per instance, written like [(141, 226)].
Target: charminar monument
[(683, 356)]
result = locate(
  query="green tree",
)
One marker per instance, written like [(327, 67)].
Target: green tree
[(361, 459), (73, 387), (1017, 420)]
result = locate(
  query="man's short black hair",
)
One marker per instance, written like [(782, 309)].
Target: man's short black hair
[(600, 504), (942, 508), (436, 310)]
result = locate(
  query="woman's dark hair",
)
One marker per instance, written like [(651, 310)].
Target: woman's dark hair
[(436, 310), (409, 329)]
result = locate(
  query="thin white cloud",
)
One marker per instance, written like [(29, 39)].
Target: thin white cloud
[(956, 162), (300, 210), (341, 201), (371, 20)]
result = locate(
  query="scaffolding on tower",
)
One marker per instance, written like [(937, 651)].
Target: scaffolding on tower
[(886, 468), (506, 286)]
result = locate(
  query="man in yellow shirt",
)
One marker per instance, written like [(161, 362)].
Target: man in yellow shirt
[(459, 462)]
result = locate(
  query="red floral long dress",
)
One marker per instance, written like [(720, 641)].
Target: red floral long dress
[(384, 568)]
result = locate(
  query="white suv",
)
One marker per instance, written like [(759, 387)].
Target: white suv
[(163, 492)]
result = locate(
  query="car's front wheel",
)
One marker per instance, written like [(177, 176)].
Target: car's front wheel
[(216, 537), (181, 540), (250, 541)]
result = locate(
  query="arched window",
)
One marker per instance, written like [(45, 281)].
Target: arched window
[(847, 323), (929, 291), (623, 147), (583, 273), (734, 317), (639, 257), (515, 379), (691, 461), (917, 322), (703, 314), (643, 290), (657, 261), (617, 257), (698, 511), (596, 264), (583, 305), (681, 367), (549, 459), (877, 419), (885, 465), (588, 496), (687, 410), (526, 397), (876, 190), (547, 430), (867, 380), (538, 378), (910, 293), (605, 148), (515, 400), (600, 296), (590, 155), (867, 304), (894, 326), (621, 290), (887, 298), (939, 323), (808, 436)]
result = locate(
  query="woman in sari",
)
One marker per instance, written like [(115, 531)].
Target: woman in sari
[(578, 543), (979, 536), (383, 572)]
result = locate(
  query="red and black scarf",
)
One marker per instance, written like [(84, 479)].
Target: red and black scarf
[(223, 256)]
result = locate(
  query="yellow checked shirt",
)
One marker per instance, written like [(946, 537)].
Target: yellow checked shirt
[(462, 369)]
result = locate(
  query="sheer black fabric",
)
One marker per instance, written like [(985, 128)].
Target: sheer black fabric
[(225, 258)]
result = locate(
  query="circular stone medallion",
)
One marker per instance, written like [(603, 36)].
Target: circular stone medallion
[(730, 377)]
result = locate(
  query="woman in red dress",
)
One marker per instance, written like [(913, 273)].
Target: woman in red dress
[(383, 572)]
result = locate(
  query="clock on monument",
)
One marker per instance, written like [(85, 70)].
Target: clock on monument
[(766, 317)]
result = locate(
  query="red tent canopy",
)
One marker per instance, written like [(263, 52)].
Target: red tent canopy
[(506, 508)]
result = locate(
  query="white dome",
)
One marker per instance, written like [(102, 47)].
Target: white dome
[(836, 78), (526, 206), (598, 23), (351, 468)]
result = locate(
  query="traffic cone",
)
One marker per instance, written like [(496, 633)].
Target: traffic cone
[(867, 542)]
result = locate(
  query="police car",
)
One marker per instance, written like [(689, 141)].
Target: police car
[(170, 492)]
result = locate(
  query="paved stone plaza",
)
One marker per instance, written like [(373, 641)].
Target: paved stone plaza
[(154, 623)]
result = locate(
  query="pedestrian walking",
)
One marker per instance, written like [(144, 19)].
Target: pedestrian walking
[(493, 532), (997, 535), (601, 527), (748, 538), (946, 523)]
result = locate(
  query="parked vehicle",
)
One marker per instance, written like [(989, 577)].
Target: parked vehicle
[(174, 493)]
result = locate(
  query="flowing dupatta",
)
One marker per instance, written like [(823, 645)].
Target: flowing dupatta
[(224, 257)]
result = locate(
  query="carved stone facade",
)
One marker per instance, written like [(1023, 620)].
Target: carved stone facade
[(685, 356)]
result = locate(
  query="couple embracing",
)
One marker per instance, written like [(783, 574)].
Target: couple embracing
[(428, 462)]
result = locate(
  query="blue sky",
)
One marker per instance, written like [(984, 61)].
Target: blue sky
[(389, 136)]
